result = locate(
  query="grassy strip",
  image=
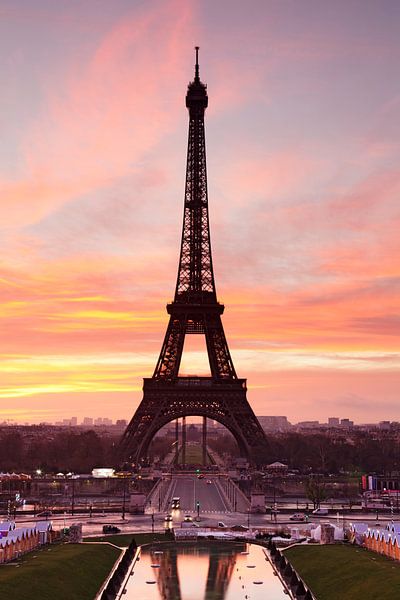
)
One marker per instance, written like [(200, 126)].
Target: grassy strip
[(194, 455), (124, 539), (346, 572), (64, 572)]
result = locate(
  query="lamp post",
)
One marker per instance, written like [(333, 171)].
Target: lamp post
[(123, 500), (73, 498)]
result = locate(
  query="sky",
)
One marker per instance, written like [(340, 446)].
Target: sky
[(303, 150)]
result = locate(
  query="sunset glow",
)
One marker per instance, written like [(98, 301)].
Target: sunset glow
[(303, 156)]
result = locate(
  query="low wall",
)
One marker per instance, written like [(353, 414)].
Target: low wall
[(291, 580)]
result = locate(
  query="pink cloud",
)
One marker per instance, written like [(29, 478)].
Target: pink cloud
[(114, 107)]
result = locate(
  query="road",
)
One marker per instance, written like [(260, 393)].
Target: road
[(191, 490), (132, 523)]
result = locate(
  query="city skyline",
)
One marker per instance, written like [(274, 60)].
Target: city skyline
[(276, 420), (302, 151)]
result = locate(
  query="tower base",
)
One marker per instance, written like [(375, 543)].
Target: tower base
[(163, 402)]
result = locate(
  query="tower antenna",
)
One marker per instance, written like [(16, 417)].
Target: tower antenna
[(197, 63)]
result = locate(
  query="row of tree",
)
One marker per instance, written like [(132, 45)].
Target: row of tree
[(320, 453), (80, 452), (66, 451)]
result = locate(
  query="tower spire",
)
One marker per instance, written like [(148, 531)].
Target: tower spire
[(196, 72)]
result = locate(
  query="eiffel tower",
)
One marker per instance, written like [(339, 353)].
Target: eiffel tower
[(195, 310)]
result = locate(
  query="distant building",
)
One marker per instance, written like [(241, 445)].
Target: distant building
[(346, 423), (277, 468), (388, 484), (87, 421), (103, 472), (274, 423), (102, 421), (72, 422), (308, 424), (385, 425), (121, 423), (333, 422)]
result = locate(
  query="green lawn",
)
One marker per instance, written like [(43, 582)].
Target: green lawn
[(62, 572), (124, 539), (346, 572)]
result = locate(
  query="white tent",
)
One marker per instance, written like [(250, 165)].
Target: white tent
[(338, 534)]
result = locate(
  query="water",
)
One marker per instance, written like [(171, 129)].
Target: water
[(203, 571)]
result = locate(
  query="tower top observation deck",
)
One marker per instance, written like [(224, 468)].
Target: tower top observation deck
[(196, 97)]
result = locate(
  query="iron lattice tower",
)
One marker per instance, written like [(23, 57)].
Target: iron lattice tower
[(194, 310)]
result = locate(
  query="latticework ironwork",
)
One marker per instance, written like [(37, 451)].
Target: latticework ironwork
[(194, 310)]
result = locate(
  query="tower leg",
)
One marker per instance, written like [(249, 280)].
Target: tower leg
[(176, 441), (183, 440), (204, 441)]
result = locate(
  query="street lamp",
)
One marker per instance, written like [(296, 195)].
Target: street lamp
[(73, 498), (123, 501)]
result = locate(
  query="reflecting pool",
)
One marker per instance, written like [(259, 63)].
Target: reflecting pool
[(203, 571)]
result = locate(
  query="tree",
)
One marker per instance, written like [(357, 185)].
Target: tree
[(350, 492), (315, 489)]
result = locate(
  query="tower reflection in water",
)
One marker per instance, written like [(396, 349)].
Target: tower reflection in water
[(221, 563), (203, 571)]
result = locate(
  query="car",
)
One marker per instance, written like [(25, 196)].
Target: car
[(320, 511), (188, 518), (175, 502), (298, 517), (168, 518), (208, 482), (221, 525), (201, 476), (239, 528), (111, 529)]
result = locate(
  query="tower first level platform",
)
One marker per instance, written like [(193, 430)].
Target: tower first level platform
[(163, 402)]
